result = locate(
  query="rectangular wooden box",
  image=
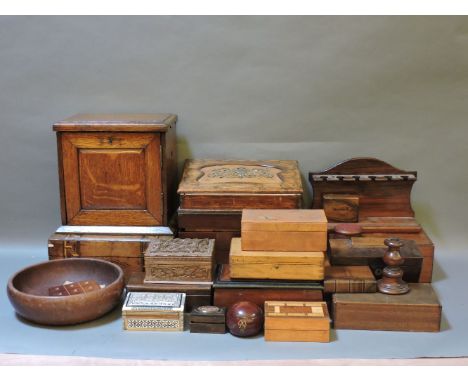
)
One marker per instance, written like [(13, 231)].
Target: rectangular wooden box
[(284, 230), (275, 265), (297, 321), (195, 294), (117, 169), (208, 319), (123, 246), (239, 184), (370, 251), (349, 279), (179, 260), (144, 311), (419, 310), (228, 291)]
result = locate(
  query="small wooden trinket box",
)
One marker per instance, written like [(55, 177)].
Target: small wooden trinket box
[(179, 260), (349, 279), (284, 230), (154, 311), (418, 310), (297, 321), (275, 265), (208, 319), (341, 207)]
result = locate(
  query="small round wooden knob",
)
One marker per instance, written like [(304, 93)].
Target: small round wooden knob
[(348, 229)]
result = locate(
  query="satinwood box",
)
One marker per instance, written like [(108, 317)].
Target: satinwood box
[(297, 321), (117, 169), (275, 265), (284, 230)]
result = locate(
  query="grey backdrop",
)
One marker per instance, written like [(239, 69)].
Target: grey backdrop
[(315, 89)]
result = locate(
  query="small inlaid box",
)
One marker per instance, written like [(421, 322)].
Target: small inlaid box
[(297, 321), (179, 260), (208, 319), (154, 311)]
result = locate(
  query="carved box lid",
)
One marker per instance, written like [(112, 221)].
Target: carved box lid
[(241, 176), (140, 303), (195, 249)]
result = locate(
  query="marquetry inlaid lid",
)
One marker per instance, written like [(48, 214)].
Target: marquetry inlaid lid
[(117, 122), (241, 176), (180, 248), (140, 302), (296, 315)]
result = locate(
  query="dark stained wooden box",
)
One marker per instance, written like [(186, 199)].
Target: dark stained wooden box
[(117, 169), (228, 291), (196, 294), (124, 246), (208, 319), (419, 310)]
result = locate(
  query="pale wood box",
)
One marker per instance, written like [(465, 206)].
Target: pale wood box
[(275, 265), (284, 230), (179, 260), (297, 321), (144, 311)]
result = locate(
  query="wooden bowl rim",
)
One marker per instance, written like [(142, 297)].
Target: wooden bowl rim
[(68, 298)]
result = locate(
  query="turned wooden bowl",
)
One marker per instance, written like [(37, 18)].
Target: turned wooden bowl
[(28, 291)]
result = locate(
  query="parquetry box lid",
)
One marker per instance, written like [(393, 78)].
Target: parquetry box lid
[(294, 315), (241, 176), (117, 122), (140, 302), (198, 248), (238, 256), (284, 220)]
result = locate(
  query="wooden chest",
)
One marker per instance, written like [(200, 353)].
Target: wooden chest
[(419, 310), (179, 260), (284, 230), (295, 321), (370, 251), (275, 265), (124, 246), (195, 294), (349, 279), (208, 319), (117, 169), (239, 184), (228, 291), (154, 311)]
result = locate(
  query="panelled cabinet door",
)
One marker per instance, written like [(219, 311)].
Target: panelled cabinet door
[(112, 178)]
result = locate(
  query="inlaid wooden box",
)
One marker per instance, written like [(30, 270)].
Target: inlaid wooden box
[(179, 260), (297, 321), (117, 170), (284, 230), (275, 265), (341, 207), (419, 310), (196, 294), (154, 311), (349, 279), (370, 251), (228, 291), (239, 184), (208, 319), (124, 246)]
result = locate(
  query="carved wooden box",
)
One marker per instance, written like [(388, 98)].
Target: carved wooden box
[(179, 260), (239, 184), (419, 310), (196, 294), (117, 169), (275, 265), (124, 246), (297, 321), (284, 230), (228, 291), (154, 311)]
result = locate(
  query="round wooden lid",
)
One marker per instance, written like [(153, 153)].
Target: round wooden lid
[(348, 229)]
